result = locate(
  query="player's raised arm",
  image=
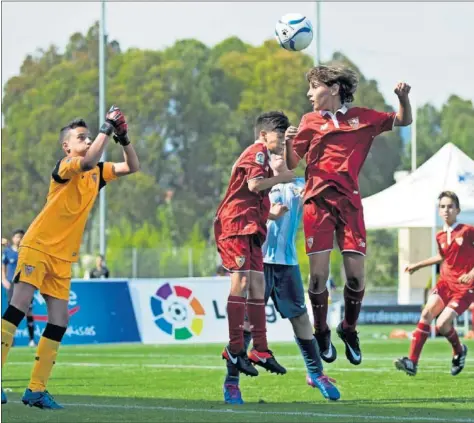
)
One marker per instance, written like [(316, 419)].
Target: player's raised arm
[(261, 184), (114, 119), (437, 259), (403, 117), (131, 164)]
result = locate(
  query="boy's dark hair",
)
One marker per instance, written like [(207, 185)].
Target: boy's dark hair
[(270, 122), (76, 123), (18, 231), (452, 196), (330, 75)]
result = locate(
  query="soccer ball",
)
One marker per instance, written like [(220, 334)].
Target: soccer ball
[(294, 32)]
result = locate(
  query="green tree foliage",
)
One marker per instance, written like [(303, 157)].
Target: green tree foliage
[(191, 110), (454, 123)]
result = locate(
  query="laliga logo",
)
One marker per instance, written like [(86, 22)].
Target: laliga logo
[(177, 312), (38, 299)]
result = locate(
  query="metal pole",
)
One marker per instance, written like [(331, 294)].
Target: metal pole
[(318, 33), (103, 203), (413, 138)]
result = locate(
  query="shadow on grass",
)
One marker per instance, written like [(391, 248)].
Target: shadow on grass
[(80, 408)]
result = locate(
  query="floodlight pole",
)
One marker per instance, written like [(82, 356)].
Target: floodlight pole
[(318, 33), (102, 58)]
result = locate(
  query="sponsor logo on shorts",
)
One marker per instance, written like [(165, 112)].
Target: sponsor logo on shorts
[(354, 122), (239, 261), (459, 240), (362, 244), (29, 269), (454, 304), (309, 241)]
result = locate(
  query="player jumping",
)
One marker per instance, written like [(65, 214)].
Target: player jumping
[(240, 230), (52, 242), (335, 140), (284, 285), (454, 292), (9, 262)]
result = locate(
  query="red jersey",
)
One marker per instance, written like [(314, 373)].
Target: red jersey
[(243, 212), (336, 146), (456, 246)]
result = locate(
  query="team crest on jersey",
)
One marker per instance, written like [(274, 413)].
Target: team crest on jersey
[(354, 122), (443, 245), (29, 269), (94, 177), (459, 240), (260, 158), (240, 261), (324, 127), (309, 241)]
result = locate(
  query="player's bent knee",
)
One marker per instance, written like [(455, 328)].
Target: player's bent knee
[(318, 281), (355, 283)]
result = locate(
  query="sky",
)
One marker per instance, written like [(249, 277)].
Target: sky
[(428, 45)]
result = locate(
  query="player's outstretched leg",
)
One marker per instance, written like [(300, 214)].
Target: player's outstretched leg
[(235, 352), (459, 361), (446, 328), (347, 328), (260, 354), (36, 394), (322, 333), (232, 394), (310, 352)]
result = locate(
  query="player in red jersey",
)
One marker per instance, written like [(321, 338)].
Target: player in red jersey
[(240, 230), (454, 292), (335, 140)]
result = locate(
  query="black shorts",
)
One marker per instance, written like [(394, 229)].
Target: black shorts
[(283, 284)]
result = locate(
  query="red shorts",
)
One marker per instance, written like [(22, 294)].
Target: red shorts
[(459, 299), (331, 212), (241, 253)]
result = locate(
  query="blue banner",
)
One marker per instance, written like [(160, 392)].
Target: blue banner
[(99, 312)]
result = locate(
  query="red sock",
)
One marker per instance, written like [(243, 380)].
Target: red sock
[(420, 336), (258, 323), (319, 303), (453, 338), (352, 305), (235, 317)]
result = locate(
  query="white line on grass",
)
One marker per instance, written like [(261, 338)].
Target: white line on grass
[(220, 368), (367, 357), (279, 413)]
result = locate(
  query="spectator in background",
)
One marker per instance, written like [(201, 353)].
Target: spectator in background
[(9, 262), (100, 271)]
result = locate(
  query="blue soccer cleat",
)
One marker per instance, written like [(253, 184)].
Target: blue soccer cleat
[(232, 394), (42, 400), (4, 397), (324, 384)]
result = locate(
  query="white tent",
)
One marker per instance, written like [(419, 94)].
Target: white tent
[(411, 203)]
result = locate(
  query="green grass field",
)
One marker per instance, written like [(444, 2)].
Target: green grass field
[(138, 383)]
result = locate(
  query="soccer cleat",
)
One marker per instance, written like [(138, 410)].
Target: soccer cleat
[(4, 397), (351, 340), (325, 384), (406, 365), (232, 394), (327, 350), (241, 361), (32, 343), (267, 361), (459, 361), (42, 400)]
